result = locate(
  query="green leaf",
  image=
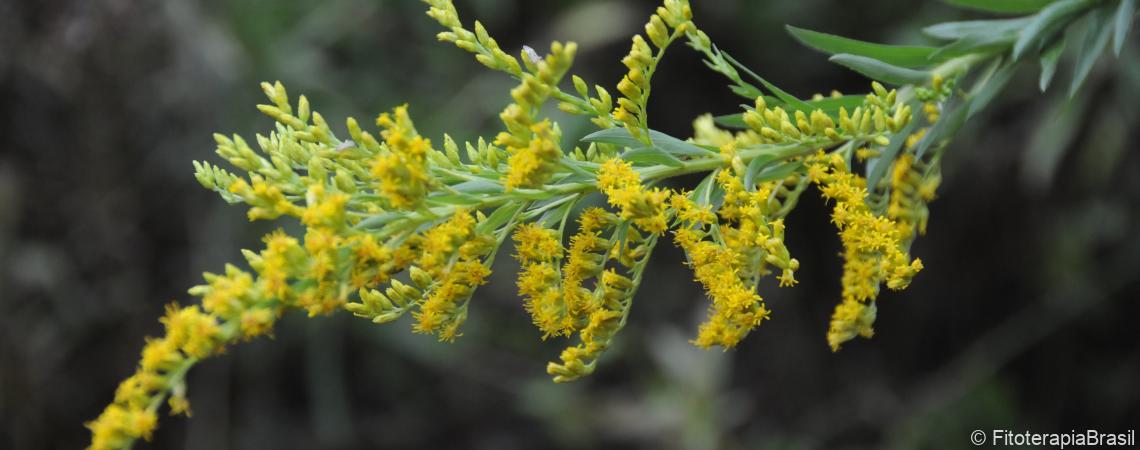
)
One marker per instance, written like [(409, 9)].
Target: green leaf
[(977, 43), (958, 30), (501, 216), (754, 167), (877, 167), (747, 91), (949, 124), (676, 146), (670, 144), (651, 156), (831, 105), (453, 199), (778, 172), (1049, 59), (1050, 138), (1123, 24), (616, 136), (779, 93), (881, 71), (1096, 38), (1045, 23), (1002, 6), (703, 193), (899, 55), (984, 93), (553, 218), (478, 187), (731, 120), (379, 220)]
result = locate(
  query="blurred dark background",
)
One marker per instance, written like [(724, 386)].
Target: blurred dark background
[(1025, 318)]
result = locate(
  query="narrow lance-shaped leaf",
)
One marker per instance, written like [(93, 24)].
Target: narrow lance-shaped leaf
[(1002, 6), (761, 162), (1123, 24), (877, 167), (949, 124), (670, 144), (881, 71), (703, 191), (500, 217), (1049, 59), (977, 43), (958, 30), (899, 55), (778, 172), (651, 156), (478, 187), (731, 120), (984, 93), (676, 146), (1097, 30), (556, 217), (616, 136), (1046, 22), (780, 93)]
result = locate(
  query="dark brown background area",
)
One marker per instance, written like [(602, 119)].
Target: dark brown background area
[(1025, 317)]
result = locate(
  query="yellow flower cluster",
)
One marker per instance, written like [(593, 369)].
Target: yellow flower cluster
[(316, 275), (736, 308), (266, 200), (484, 47), (748, 225), (539, 255), (561, 306), (556, 297), (600, 105), (532, 165), (374, 262), (585, 259), (235, 305), (452, 267), (910, 193), (705, 132), (730, 254), (932, 97), (325, 221), (623, 189), (237, 297), (190, 334), (874, 251), (402, 170), (445, 308), (670, 22), (534, 146), (411, 229), (601, 326), (879, 115)]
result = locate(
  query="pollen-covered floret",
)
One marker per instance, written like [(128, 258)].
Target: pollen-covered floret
[(402, 170), (539, 252), (875, 250), (644, 206), (533, 164)]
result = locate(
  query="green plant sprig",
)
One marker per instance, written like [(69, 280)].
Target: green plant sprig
[(395, 226)]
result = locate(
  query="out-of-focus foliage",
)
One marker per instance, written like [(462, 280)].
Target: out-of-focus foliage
[(100, 223)]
